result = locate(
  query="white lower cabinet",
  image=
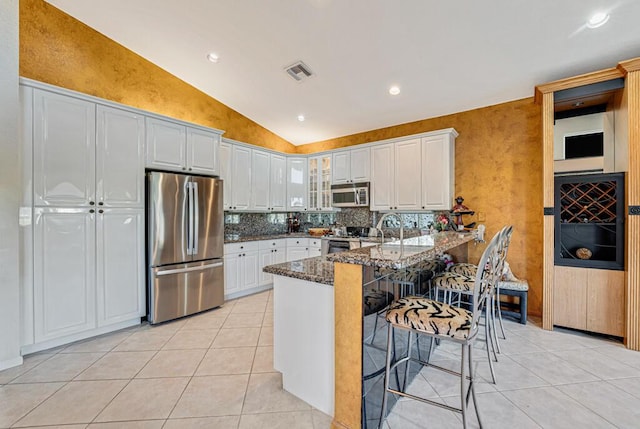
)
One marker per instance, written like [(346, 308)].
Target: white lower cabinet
[(240, 267), (64, 272), (271, 252), (297, 248), (315, 247), (120, 265), (88, 270)]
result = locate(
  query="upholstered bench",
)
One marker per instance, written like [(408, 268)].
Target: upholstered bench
[(519, 289)]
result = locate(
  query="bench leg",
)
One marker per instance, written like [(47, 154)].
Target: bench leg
[(523, 308)]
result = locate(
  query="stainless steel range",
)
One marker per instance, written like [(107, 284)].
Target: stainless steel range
[(353, 240)]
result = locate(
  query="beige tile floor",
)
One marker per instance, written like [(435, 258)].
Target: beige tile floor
[(215, 370), (553, 380)]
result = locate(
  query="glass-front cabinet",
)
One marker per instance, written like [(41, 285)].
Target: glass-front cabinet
[(320, 183)]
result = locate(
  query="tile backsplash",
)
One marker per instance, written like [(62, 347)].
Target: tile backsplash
[(276, 223)]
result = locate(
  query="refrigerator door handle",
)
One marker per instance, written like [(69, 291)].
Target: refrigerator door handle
[(195, 219), (186, 270), (190, 219)]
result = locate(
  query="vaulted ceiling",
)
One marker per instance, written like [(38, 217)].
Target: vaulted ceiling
[(445, 56)]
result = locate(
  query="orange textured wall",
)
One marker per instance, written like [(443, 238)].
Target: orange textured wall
[(498, 172), (57, 49)]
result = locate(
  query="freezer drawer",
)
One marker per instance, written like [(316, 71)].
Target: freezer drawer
[(182, 289)]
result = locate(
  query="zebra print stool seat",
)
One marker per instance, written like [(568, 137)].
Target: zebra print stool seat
[(429, 316), (464, 269), (375, 301)]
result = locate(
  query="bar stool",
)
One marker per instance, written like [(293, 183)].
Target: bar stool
[(374, 301), (440, 321)]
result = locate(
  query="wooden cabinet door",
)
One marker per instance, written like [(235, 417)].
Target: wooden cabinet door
[(63, 272), (278, 183), (120, 265), (382, 177), (202, 151), (296, 184), (570, 297), (260, 165), (360, 165), (225, 173), (241, 178), (64, 146), (407, 175), (341, 171), (166, 145), (119, 158), (437, 173), (605, 302)]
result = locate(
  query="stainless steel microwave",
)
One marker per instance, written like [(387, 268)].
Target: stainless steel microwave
[(350, 195)]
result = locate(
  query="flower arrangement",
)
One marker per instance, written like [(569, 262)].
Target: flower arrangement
[(442, 222)]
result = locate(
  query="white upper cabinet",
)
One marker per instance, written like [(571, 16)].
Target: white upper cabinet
[(320, 183), (63, 150), (407, 185), (260, 180), (414, 174), (176, 147), (119, 158), (241, 175), (203, 151), (296, 184), (278, 183), (268, 189), (341, 171), (166, 145), (438, 172), (351, 166), (225, 173), (382, 177)]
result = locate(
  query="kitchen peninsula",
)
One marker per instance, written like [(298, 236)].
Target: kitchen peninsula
[(318, 318)]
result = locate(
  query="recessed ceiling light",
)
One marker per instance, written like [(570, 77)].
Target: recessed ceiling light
[(598, 20), (394, 90), (301, 118), (213, 57)]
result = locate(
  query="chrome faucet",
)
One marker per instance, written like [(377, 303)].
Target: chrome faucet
[(379, 228)]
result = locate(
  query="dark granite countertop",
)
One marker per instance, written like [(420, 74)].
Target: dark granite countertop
[(317, 270), (237, 238), (416, 249)]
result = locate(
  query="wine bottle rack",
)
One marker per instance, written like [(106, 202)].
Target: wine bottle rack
[(589, 214)]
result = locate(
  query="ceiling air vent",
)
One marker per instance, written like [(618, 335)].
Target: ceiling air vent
[(299, 71)]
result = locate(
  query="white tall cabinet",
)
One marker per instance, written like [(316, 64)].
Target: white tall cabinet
[(225, 154), (88, 218), (438, 171), (241, 174)]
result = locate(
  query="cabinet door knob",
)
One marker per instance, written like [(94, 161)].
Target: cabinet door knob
[(242, 247), (92, 211), (190, 168), (100, 211), (423, 207), (91, 203), (184, 168), (101, 203)]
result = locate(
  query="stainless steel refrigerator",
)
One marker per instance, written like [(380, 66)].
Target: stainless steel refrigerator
[(185, 239)]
